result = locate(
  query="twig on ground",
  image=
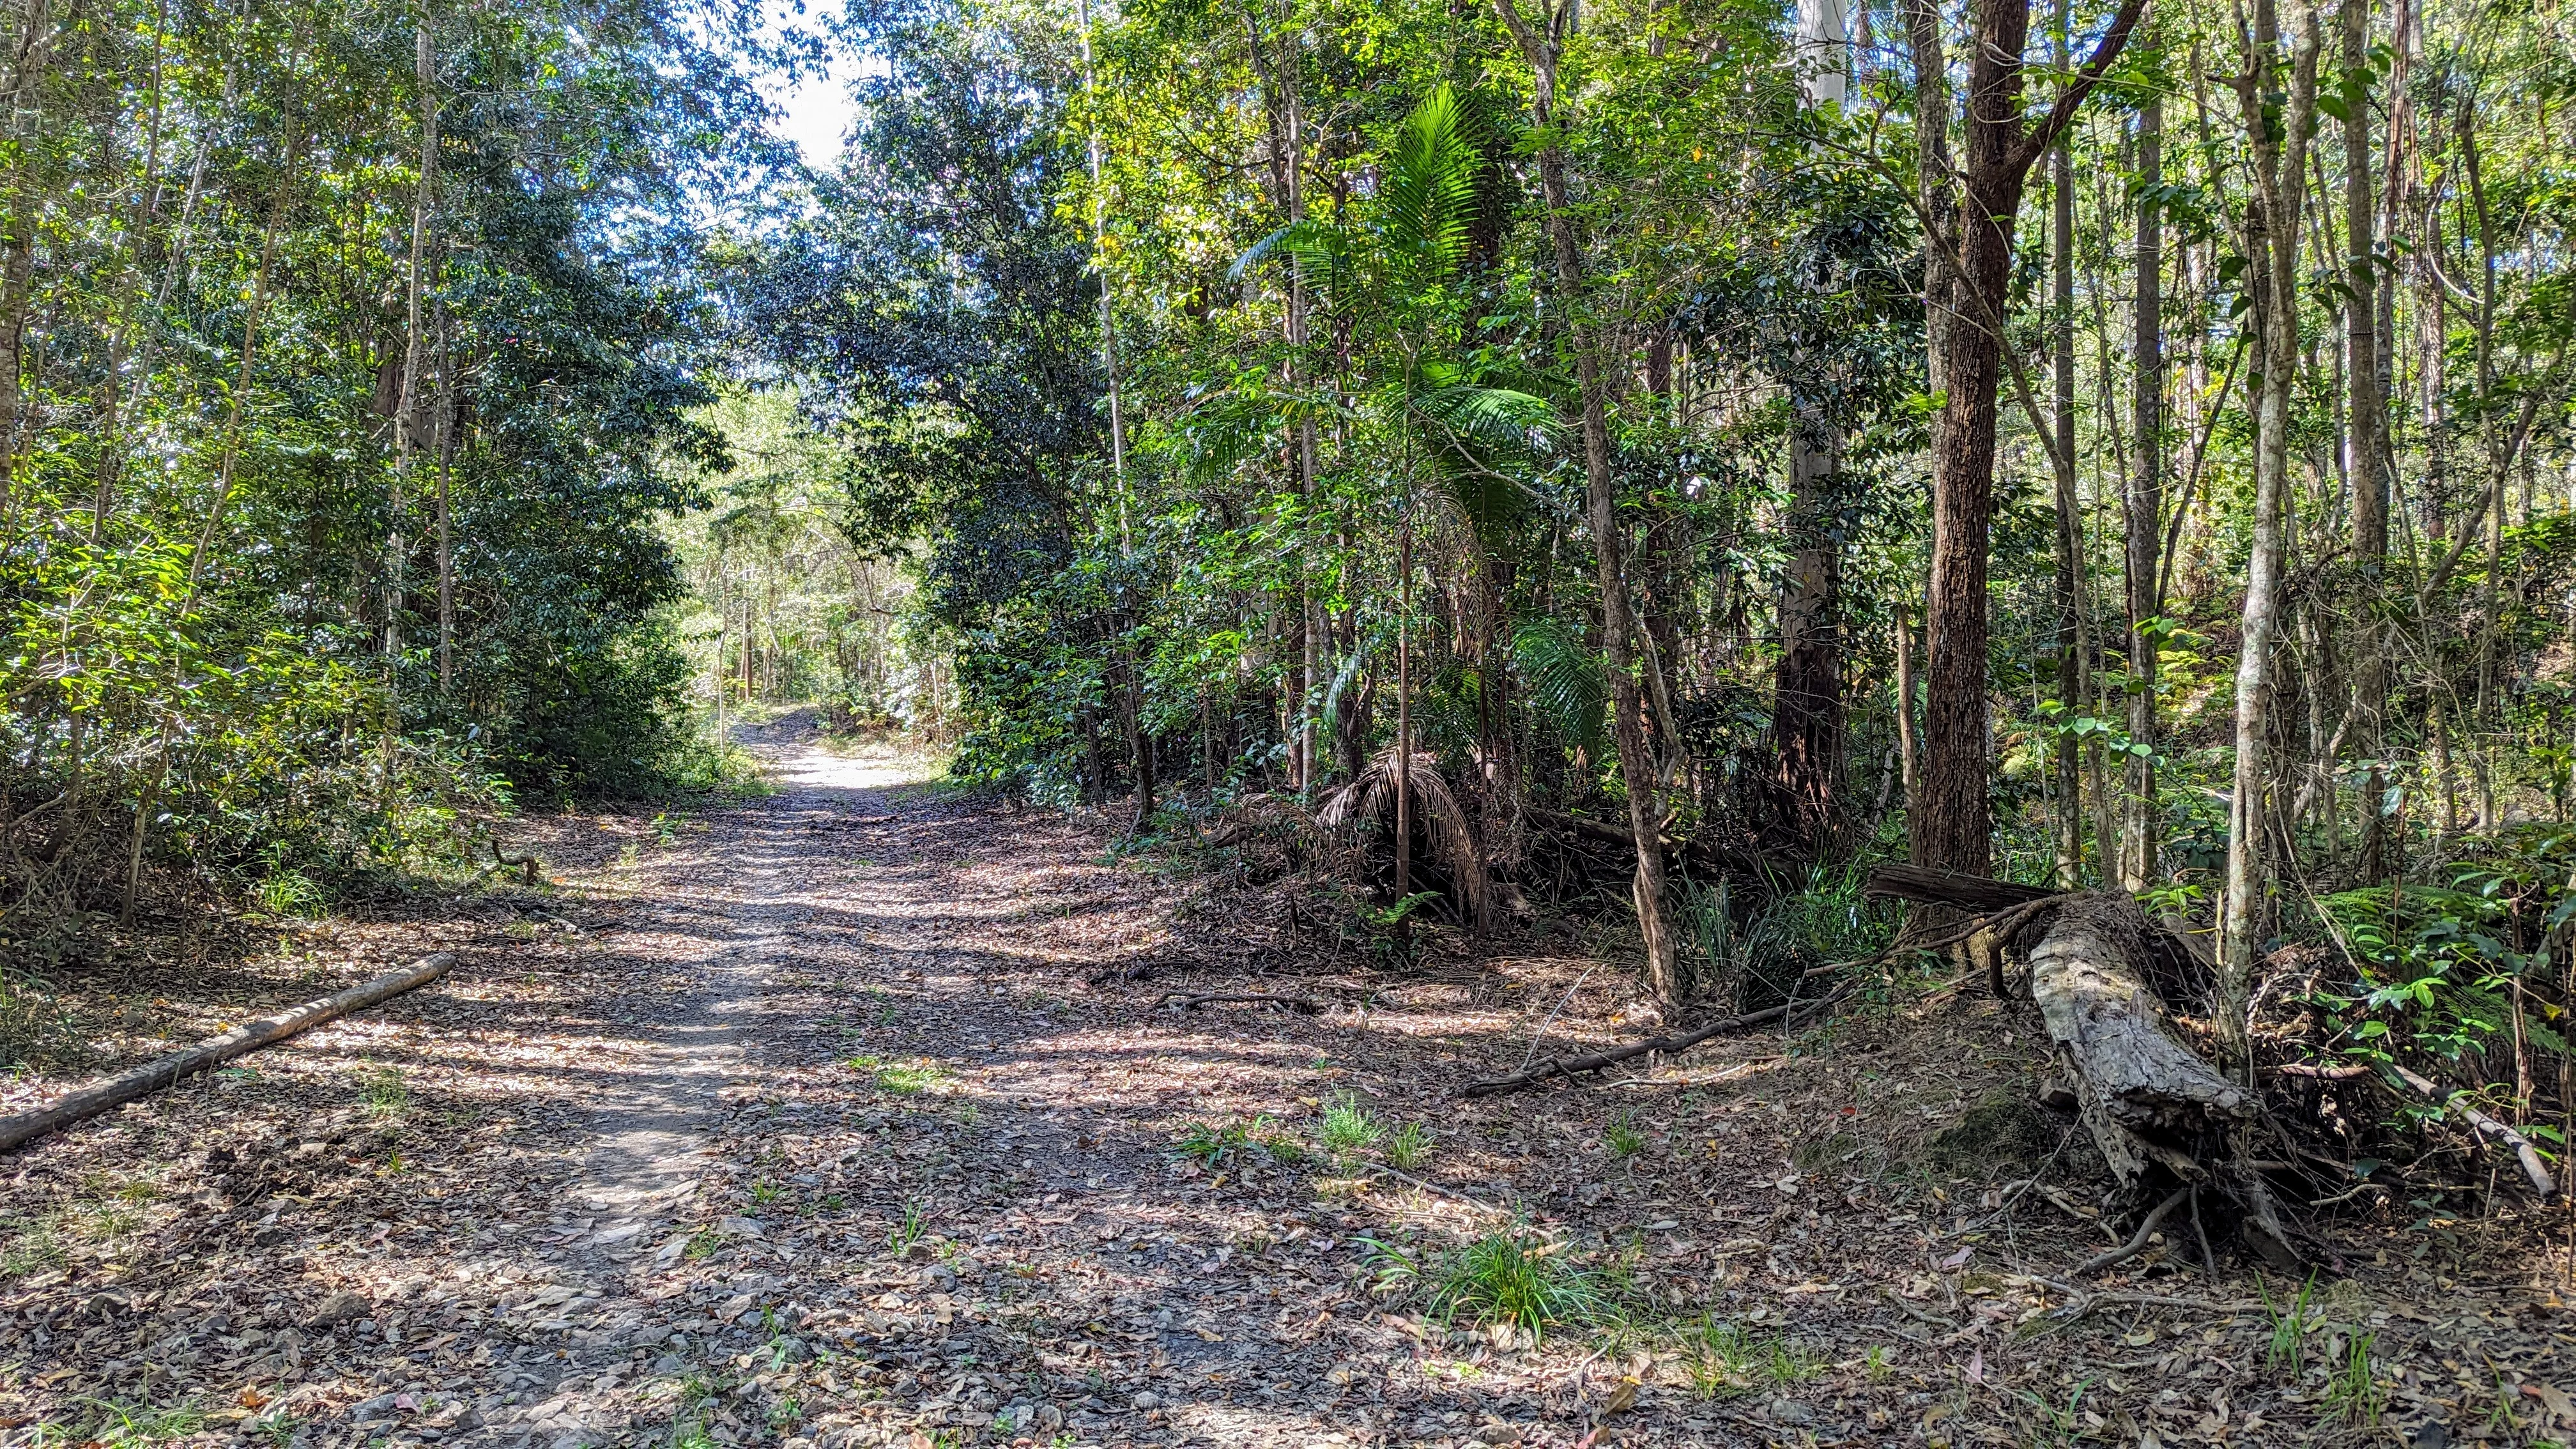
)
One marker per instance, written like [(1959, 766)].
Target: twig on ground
[(2081, 1301), (1596, 1061), (1434, 1188), (1541, 1034), (1184, 1001), (2487, 1127), (2138, 1243)]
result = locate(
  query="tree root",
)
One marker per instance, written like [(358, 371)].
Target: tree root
[(2138, 1243)]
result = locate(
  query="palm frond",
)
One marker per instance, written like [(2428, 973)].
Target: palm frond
[(1566, 682), (1444, 821), (1309, 239), (1428, 194)]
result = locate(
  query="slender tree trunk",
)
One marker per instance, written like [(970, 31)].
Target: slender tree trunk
[(1905, 708), (2272, 219), (2145, 508), (2071, 692), (407, 409), (2365, 448), (1543, 48)]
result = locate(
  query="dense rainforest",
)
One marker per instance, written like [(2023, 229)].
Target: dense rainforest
[(1706, 467)]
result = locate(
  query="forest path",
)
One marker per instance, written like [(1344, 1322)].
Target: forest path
[(838, 1116)]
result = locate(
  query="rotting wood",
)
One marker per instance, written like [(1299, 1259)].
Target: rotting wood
[(1184, 1001), (1932, 887), (268, 1031)]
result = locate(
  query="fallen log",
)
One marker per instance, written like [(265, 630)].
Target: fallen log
[(2151, 1104), (1926, 886), (144, 1080)]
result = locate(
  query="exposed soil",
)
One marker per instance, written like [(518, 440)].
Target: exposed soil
[(803, 1122)]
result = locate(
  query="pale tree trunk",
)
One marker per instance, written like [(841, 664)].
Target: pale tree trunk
[(1807, 694), (443, 440), (407, 409), (1543, 48), (2272, 219), (2144, 507), (1905, 707)]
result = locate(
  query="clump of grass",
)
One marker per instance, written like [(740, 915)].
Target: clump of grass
[(1724, 1360), (135, 1426), (902, 1079), (1211, 1146), (2287, 1347), (1510, 1275), (904, 1234), (1623, 1137), (2353, 1395), (382, 1091), (1348, 1127), (1409, 1148), (33, 1245)]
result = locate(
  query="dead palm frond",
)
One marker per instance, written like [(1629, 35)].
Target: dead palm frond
[(1444, 822)]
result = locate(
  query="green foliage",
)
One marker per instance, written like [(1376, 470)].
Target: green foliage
[(1348, 1127), (1510, 1275), (1409, 1148)]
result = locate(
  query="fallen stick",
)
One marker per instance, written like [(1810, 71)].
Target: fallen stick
[(2487, 1127), (150, 1078), (1182, 1000), (1596, 1061)]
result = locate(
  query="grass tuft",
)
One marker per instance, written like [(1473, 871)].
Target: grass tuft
[(1510, 1275), (1348, 1127)]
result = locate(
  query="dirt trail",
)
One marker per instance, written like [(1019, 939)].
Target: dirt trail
[(802, 1123)]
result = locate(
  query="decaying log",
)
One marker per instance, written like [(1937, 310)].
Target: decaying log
[(145, 1080), (2150, 1103), (1931, 887)]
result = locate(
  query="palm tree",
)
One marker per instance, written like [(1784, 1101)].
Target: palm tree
[(1394, 267)]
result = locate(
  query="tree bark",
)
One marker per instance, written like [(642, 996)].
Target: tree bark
[(2366, 447), (2071, 693), (1957, 825), (2145, 506)]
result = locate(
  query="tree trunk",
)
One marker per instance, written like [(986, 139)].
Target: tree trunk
[(2365, 448), (1957, 824), (1807, 703), (2272, 220), (2145, 508), (1807, 694), (1543, 48), (2071, 692)]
